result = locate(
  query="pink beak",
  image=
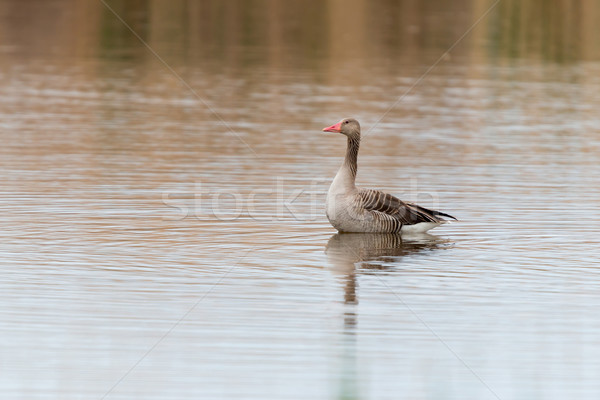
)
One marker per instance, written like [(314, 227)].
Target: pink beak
[(334, 128)]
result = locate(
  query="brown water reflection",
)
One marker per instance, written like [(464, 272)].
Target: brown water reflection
[(140, 215), (306, 35)]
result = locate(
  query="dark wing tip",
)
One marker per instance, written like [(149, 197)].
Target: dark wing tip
[(441, 214), (436, 215)]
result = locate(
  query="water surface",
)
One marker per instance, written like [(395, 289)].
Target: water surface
[(163, 232)]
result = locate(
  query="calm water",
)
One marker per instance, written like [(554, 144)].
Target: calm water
[(163, 233)]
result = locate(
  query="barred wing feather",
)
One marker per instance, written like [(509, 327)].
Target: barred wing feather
[(406, 213)]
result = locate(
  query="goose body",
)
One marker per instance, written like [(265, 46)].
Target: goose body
[(353, 209)]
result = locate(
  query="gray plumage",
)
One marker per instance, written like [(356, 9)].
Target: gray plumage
[(352, 209)]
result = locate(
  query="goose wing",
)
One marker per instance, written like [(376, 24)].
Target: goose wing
[(407, 213)]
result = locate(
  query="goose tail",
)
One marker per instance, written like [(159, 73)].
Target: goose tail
[(438, 215)]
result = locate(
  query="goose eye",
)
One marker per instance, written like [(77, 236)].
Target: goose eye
[(346, 122)]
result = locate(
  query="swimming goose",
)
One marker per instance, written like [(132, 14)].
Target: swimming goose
[(352, 209)]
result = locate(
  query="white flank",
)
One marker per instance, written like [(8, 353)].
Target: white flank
[(421, 227)]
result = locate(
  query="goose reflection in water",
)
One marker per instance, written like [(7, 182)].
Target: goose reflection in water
[(350, 253), (373, 251)]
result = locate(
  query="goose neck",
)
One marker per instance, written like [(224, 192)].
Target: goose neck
[(351, 160)]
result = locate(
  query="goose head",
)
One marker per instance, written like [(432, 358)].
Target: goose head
[(348, 126)]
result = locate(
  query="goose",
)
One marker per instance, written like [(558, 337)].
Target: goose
[(353, 209)]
